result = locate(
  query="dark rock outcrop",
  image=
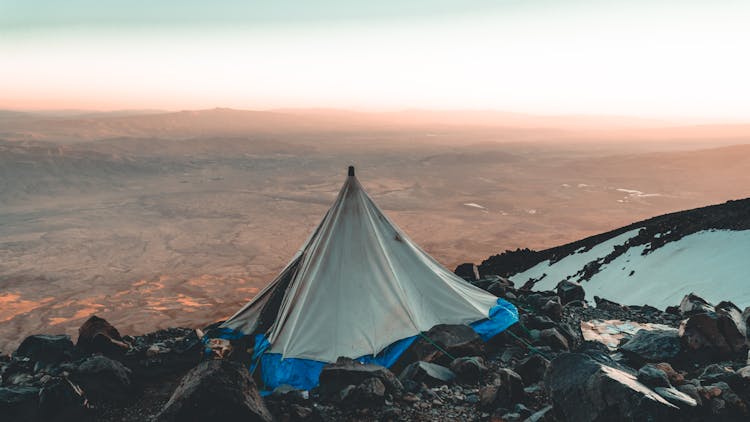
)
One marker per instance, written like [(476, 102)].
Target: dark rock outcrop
[(582, 390), (428, 373), (457, 340), (103, 379), (344, 372), (653, 346), (216, 390), (468, 271), (569, 291), (47, 348)]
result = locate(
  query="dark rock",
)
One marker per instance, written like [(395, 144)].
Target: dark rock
[(582, 389), (569, 291), (544, 414), (468, 271), (553, 309), (532, 368), (653, 346), (96, 335), (691, 391), (717, 373), (675, 378), (469, 369), (725, 404), (19, 403), (61, 400), (537, 322), (552, 338), (335, 376), (608, 305), (218, 390), (673, 310), (576, 304), (103, 379), (692, 304), (457, 340), (652, 376), (506, 389), (712, 336), (47, 348), (428, 373), (370, 393)]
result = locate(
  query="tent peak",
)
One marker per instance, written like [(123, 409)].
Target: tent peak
[(351, 171)]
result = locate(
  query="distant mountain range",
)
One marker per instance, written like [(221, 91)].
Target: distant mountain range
[(656, 261)]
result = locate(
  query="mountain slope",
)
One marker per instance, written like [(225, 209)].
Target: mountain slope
[(655, 261)]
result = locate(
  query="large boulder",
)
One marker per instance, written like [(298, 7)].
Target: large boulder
[(653, 346), (570, 291), (468, 271), (532, 368), (216, 390), (19, 404), (47, 348), (344, 372), (582, 389), (96, 335), (103, 379), (457, 340), (61, 400), (712, 336), (428, 373)]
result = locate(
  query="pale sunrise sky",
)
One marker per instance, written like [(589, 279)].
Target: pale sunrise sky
[(651, 58)]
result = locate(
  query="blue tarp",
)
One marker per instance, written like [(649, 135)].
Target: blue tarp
[(304, 373)]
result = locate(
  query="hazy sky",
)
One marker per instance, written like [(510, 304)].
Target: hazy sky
[(664, 58)]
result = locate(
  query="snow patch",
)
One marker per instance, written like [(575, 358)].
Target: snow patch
[(473, 205)]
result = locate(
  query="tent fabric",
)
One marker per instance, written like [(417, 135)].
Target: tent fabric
[(357, 286)]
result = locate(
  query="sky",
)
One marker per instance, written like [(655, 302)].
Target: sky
[(649, 58)]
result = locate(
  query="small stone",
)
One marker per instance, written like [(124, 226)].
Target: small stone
[(652, 376)]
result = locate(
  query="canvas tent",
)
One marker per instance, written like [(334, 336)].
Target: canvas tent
[(360, 288)]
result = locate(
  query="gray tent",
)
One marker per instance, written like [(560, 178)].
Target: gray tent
[(360, 288)]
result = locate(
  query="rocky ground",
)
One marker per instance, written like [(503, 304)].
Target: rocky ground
[(564, 361)]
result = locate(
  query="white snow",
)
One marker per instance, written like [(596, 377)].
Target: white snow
[(713, 264), (473, 205), (571, 264)]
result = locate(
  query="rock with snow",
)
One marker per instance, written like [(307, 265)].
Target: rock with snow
[(692, 304), (216, 390), (582, 389)]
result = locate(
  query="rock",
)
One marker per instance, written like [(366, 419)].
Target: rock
[(468, 271), (691, 391), (288, 393), (652, 376), (61, 400), (532, 368), (537, 322), (552, 338), (103, 379), (217, 390), (370, 393), (570, 291), (712, 336), (19, 403), (676, 397), (335, 376), (96, 335), (469, 369), (582, 389), (717, 373), (544, 414), (725, 404), (693, 303), (553, 309), (675, 378), (428, 373), (506, 389), (457, 340), (47, 348), (653, 346), (608, 305), (745, 374)]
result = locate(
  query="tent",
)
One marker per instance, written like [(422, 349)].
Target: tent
[(359, 288)]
